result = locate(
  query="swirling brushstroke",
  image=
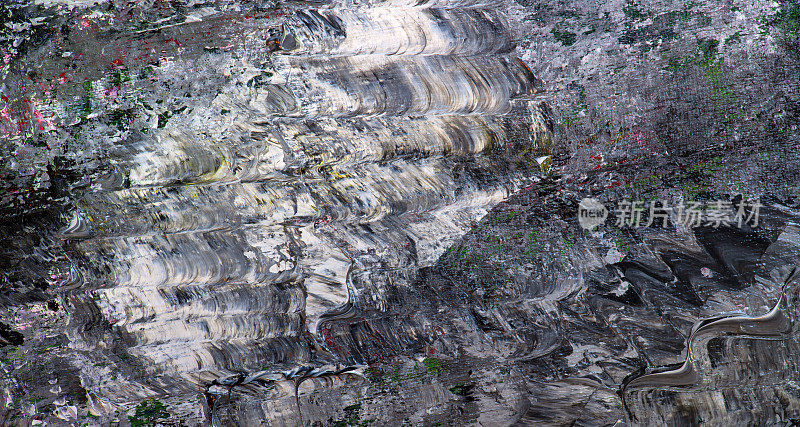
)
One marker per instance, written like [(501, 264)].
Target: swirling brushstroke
[(364, 136)]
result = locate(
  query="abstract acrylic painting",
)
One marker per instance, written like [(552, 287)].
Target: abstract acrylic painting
[(399, 212)]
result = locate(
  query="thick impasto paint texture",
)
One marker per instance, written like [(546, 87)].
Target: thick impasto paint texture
[(446, 212)]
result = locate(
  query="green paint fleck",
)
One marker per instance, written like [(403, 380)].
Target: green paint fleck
[(164, 117), (788, 21), (459, 390), (433, 365), (86, 106), (566, 38), (148, 413), (352, 417), (734, 38), (634, 13), (709, 48)]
